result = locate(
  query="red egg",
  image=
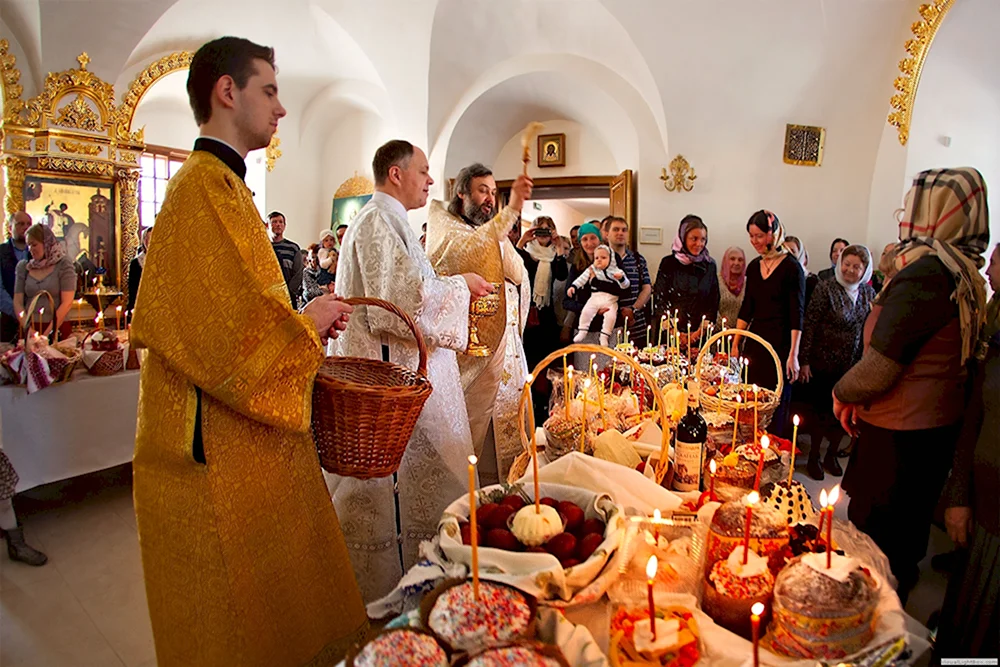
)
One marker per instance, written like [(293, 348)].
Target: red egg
[(498, 517), (501, 538), (569, 562), (593, 526), (588, 545), (551, 502), (561, 546), (572, 515), (536, 550), (484, 511), (516, 502), (466, 529)]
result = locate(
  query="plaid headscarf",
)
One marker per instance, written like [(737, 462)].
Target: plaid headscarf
[(54, 251), (946, 215)]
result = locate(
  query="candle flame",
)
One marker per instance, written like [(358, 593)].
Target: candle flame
[(711, 466), (651, 566), (593, 356), (739, 399), (41, 311), (765, 441), (473, 460), (586, 383), (822, 498), (795, 420), (528, 379), (756, 389), (753, 498), (656, 515), (757, 609), (834, 495), (119, 309)]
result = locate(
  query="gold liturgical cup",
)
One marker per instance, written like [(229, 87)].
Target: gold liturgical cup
[(484, 306)]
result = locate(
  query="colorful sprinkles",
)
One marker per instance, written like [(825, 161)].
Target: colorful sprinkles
[(402, 648), (500, 615)]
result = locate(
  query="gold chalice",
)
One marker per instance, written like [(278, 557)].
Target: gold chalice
[(484, 306)]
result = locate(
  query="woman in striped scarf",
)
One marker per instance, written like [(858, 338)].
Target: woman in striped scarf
[(905, 399)]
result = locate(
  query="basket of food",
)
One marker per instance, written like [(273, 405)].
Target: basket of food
[(364, 410), (718, 395), (56, 362), (103, 353), (576, 427)]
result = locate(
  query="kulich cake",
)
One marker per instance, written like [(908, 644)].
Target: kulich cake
[(803, 538), (631, 645), (791, 501), (732, 470), (562, 435), (821, 613), (501, 615), (400, 648), (524, 654), (732, 588), (768, 531)]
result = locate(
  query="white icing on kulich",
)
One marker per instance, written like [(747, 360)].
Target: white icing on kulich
[(840, 568), (755, 565)]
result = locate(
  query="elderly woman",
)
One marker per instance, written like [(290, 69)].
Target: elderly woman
[(831, 344), (687, 280), (906, 397), (732, 278), (135, 267), (970, 619), (773, 308), (798, 250), (49, 269)]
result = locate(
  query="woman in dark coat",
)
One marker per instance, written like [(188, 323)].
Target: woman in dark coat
[(135, 268), (687, 280)]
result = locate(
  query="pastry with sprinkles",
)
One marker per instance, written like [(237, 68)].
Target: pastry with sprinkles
[(501, 615), (768, 531), (403, 647), (733, 587), (527, 654)]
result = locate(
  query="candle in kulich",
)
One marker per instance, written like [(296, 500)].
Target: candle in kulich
[(659, 337), (756, 400), (833, 498), (600, 398), (755, 613), (651, 566), (822, 513), (711, 477), (118, 315), (565, 384), (752, 498), (568, 396), (765, 443), (795, 437), (473, 532), (736, 421), (583, 429)]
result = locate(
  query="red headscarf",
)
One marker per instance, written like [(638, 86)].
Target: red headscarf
[(727, 276)]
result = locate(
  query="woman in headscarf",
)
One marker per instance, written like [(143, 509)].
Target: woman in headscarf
[(732, 278), (798, 250), (905, 399), (970, 619), (831, 344), (836, 248), (687, 280), (772, 308), (48, 269), (135, 267)]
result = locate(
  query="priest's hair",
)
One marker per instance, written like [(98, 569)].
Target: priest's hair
[(463, 185)]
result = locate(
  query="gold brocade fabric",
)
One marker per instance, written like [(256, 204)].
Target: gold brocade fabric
[(243, 556)]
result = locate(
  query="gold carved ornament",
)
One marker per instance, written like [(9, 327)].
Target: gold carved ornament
[(128, 211), (59, 83), (14, 168), (69, 146), (142, 83), (272, 153), (10, 76), (931, 16), (681, 176), (355, 186), (76, 165), (78, 115), (20, 143)]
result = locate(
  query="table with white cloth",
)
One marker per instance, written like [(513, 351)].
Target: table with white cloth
[(70, 429)]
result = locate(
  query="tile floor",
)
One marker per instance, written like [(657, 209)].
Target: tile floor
[(87, 606)]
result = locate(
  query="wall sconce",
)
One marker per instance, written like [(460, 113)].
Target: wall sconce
[(681, 177)]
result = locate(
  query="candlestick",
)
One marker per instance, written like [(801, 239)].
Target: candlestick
[(736, 421), (833, 498), (569, 386), (751, 500), (756, 401), (755, 611), (765, 442), (651, 566), (795, 437), (600, 398), (473, 530), (822, 513), (659, 337), (711, 477)]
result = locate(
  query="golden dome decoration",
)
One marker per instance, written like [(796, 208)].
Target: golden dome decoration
[(355, 186)]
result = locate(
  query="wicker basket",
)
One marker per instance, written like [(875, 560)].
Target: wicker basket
[(522, 461), (60, 369), (364, 410), (766, 408), (109, 363)]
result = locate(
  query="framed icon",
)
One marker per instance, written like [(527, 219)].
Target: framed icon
[(551, 150)]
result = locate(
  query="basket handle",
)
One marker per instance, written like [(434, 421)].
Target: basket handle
[(403, 315), (747, 334), (31, 309)]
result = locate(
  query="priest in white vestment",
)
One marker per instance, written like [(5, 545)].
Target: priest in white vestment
[(470, 235), (381, 257)]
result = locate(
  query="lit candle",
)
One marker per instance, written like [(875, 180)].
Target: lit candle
[(649, 337), (600, 398), (832, 499), (534, 443), (565, 383), (651, 566), (659, 337), (795, 437), (657, 517), (765, 442), (569, 389), (689, 340), (755, 611), (711, 477), (583, 430), (20, 325), (118, 314), (756, 400), (611, 387), (41, 316), (736, 421), (822, 513), (95, 285), (751, 500), (746, 371), (473, 532)]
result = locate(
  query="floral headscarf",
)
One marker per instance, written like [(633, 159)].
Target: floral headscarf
[(773, 225), (54, 251), (727, 275)]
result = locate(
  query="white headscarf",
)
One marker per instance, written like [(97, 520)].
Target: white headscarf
[(853, 289), (542, 291)]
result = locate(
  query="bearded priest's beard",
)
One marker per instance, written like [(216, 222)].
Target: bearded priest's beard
[(476, 216)]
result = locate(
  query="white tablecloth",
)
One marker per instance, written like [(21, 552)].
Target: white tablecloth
[(79, 427)]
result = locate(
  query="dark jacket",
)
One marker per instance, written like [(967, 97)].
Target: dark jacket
[(691, 289), (8, 265), (134, 276)]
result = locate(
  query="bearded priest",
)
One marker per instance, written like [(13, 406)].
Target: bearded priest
[(385, 519), (242, 554), (471, 235)]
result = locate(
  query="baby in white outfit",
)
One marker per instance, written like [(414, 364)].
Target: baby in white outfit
[(606, 282)]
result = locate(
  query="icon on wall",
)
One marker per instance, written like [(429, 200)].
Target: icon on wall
[(552, 150)]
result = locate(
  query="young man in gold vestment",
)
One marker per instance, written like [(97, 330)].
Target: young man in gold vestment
[(243, 556)]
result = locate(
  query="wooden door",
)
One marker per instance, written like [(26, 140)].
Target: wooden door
[(621, 195)]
